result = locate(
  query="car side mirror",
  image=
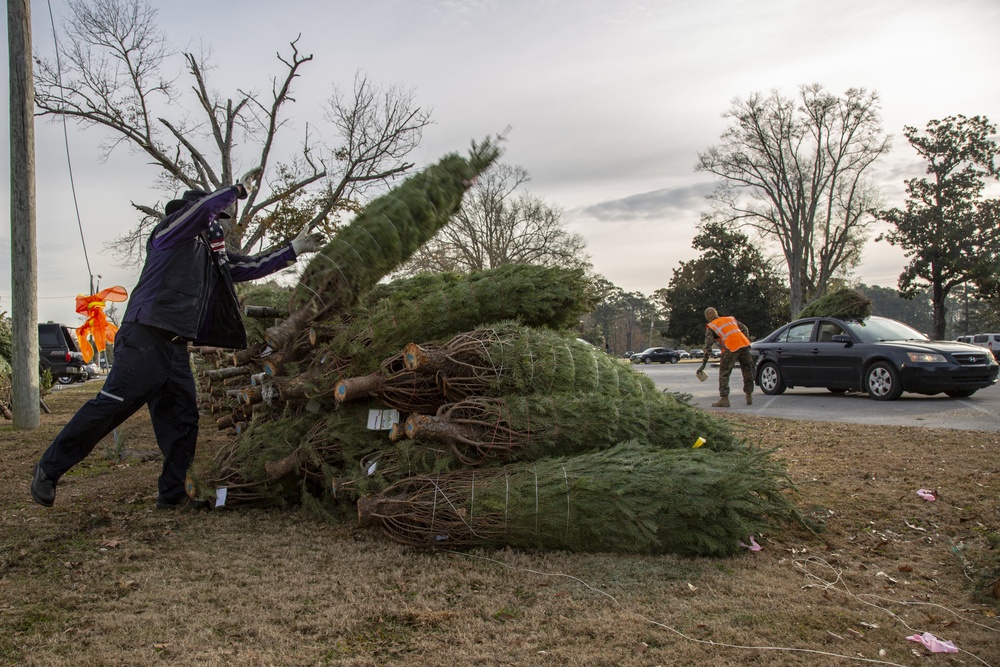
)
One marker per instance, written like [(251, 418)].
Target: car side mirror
[(841, 338)]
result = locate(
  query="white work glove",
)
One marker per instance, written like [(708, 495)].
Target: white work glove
[(248, 182), (307, 242)]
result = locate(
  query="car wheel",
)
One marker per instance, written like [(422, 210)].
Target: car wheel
[(960, 393), (65, 379), (882, 382), (770, 380), (836, 390), (647, 360), (674, 360)]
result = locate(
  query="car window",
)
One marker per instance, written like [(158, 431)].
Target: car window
[(827, 330), (49, 338), (875, 329), (799, 333)]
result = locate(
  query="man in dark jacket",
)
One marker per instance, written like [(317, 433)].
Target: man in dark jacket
[(185, 294)]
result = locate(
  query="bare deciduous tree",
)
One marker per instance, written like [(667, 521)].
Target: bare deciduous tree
[(498, 226), (796, 171), (110, 73)]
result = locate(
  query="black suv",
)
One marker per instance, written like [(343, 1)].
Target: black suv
[(59, 352)]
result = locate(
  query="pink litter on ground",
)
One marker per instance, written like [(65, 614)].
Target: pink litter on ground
[(933, 644), (927, 494), (753, 546)]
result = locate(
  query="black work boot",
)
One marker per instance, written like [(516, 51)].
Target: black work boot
[(182, 504), (43, 488)]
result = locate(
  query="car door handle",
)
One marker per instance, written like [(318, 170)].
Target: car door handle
[(815, 350)]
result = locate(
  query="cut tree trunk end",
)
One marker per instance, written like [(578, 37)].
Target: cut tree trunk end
[(352, 389), (279, 335)]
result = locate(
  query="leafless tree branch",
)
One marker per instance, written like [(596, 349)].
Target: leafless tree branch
[(112, 56)]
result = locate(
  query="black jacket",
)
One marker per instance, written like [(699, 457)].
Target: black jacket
[(186, 285)]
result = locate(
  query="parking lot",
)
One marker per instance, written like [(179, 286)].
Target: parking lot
[(980, 412)]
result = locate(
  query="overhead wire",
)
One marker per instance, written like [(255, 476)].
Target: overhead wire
[(69, 161)]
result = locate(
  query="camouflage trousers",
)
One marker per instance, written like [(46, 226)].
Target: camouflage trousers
[(726, 363)]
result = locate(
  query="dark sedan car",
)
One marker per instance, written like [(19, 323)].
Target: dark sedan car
[(880, 356), (660, 354)]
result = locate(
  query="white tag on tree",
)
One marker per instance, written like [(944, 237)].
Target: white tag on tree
[(220, 497), (382, 420)]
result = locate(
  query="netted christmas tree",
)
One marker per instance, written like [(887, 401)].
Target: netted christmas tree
[(485, 430), (631, 498), (429, 308), (383, 236), (507, 358), (845, 303)]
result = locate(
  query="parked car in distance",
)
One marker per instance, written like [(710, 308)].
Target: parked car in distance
[(660, 354), (684, 354), (59, 352), (716, 353), (696, 353), (92, 371), (990, 341), (880, 356)]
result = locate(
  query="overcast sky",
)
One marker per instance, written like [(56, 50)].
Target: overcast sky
[(609, 103)]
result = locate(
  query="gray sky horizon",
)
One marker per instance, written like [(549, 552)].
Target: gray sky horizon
[(609, 104)]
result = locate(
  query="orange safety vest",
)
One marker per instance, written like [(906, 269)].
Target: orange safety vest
[(728, 331)]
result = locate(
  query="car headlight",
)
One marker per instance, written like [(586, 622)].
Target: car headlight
[(926, 358)]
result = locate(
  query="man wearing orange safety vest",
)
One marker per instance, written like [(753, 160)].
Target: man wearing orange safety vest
[(733, 338)]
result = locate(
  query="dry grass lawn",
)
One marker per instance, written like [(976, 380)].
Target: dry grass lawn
[(105, 579)]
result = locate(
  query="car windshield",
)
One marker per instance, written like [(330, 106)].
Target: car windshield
[(649, 350), (876, 329)]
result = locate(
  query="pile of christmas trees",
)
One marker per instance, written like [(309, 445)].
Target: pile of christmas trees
[(457, 410)]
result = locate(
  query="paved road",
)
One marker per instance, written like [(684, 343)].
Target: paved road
[(980, 412)]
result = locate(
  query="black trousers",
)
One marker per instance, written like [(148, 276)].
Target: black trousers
[(149, 369)]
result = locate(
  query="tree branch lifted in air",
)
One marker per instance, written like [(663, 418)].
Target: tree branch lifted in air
[(113, 59)]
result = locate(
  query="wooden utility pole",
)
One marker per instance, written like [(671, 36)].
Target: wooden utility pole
[(23, 255)]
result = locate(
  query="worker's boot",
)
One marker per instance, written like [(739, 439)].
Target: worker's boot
[(749, 398), (721, 403)]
